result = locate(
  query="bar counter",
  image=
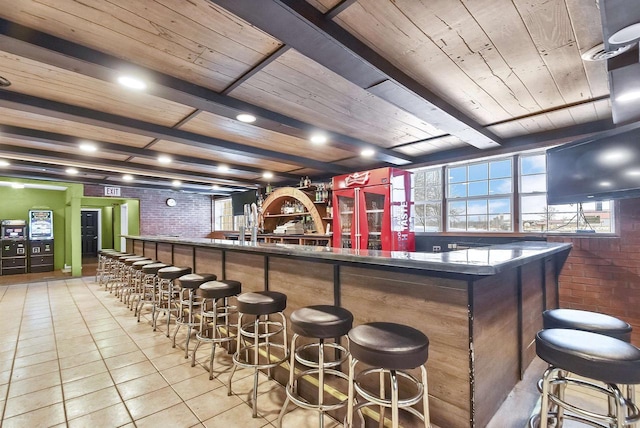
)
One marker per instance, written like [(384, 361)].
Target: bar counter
[(479, 307)]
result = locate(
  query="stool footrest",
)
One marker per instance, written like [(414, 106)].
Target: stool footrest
[(383, 401), (328, 364), (250, 349)]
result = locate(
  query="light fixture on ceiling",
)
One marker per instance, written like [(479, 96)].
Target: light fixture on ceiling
[(318, 139), (367, 153), (127, 177), (4, 82), (176, 183), (164, 159), (88, 147), (605, 183), (4, 163), (628, 96), (71, 171), (628, 34), (215, 187), (17, 185), (246, 118), (268, 175), (633, 172), (132, 82), (599, 53), (223, 168)]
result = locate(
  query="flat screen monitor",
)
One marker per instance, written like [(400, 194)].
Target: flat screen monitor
[(603, 168)]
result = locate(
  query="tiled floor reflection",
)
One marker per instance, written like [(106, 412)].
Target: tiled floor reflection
[(72, 355)]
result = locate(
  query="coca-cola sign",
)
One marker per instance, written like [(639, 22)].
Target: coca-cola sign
[(360, 178)]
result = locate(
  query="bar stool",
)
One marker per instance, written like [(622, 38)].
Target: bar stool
[(261, 304), (102, 263), (138, 289), (110, 268), (210, 330), (129, 277), (389, 348), (596, 357), (166, 292), (150, 289), (594, 322), (187, 284), (118, 272), (319, 322)]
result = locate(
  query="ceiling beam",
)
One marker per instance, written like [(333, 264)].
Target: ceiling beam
[(87, 116), (303, 27), (27, 134), (29, 43)]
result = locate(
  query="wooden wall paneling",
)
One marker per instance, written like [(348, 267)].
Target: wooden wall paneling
[(246, 268), (45, 81), (436, 306), (495, 342), (183, 256), (532, 307), (209, 260), (150, 250), (551, 282), (164, 252), (66, 127), (138, 247)]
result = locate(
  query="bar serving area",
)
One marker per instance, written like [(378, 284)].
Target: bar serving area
[(480, 308)]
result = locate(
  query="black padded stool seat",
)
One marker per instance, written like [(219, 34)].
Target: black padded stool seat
[(388, 345), (219, 289), (321, 321), (173, 272), (105, 251), (592, 355), (140, 264), (125, 256), (594, 322), (262, 302), (153, 268), (131, 260), (194, 280)]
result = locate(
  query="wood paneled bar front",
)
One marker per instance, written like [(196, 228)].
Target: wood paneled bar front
[(479, 307)]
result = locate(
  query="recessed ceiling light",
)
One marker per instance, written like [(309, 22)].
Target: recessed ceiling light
[(628, 96), (176, 183), (605, 183), (164, 159), (71, 171), (88, 147), (246, 118), (318, 139), (223, 168), (633, 172), (267, 175), (132, 83), (4, 162), (127, 177), (625, 35), (367, 153), (17, 185), (4, 82), (590, 196)]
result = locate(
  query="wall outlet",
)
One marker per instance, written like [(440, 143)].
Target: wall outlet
[(436, 248)]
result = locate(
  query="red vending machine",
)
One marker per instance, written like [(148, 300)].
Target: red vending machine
[(373, 210)]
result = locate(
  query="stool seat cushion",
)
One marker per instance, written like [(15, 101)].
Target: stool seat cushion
[(153, 268), (587, 321), (115, 254), (131, 260), (124, 256), (194, 280), (219, 289), (389, 345), (173, 272), (321, 321), (140, 264), (592, 355), (262, 302)]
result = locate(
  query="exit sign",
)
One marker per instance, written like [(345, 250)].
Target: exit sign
[(112, 191)]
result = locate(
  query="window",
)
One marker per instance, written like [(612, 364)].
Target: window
[(223, 214), (427, 196), (479, 196)]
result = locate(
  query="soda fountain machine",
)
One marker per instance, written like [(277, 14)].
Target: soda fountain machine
[(373, 210), (40, 240), (13, 258)]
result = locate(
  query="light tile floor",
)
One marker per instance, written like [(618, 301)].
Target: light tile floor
[(72, 355)]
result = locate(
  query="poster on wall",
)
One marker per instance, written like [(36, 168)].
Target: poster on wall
[(40, 224)]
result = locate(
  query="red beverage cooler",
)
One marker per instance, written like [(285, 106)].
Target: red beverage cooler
[(373, 210)]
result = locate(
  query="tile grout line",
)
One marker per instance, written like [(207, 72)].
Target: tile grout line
[(53, 328)]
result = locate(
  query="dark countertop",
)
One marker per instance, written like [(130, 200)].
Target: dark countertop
[(475, 261)]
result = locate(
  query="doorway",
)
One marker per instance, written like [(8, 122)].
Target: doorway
[(90, 223), (124, 225)]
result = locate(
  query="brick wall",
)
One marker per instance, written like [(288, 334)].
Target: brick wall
[(190, 218), (603, 274)]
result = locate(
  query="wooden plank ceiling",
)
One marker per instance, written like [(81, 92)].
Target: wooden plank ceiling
[(418, 81)]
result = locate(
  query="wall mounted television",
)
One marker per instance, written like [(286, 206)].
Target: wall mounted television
[(592, 169)]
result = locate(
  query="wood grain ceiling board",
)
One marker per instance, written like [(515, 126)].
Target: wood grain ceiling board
[(217, 156), (195, 40), (7, 142), (206, 169), (52, 83), (324, 5), (212, 125), (436, 145), (82, 131), (304, 89)]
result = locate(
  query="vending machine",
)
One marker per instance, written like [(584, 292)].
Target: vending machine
[(40, 240), (373, 210), (13, 257)]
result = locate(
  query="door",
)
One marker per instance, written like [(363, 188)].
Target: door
[(89, 222), (344, 218), (375, 224)]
